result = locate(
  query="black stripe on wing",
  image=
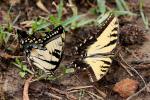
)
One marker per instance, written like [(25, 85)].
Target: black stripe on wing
[(114, 35), (106, 62), (103, 70), (110, 43), (56, 53), (105, 66), (56, 63), (115, 29)]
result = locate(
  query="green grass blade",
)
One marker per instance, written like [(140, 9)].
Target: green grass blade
[(124, 5), (4, 36), (60, 10), (119, 13), (71, 20), (22, 67), (38, 25), (119, 5), (84, 22), (101, 6), (144, 18), (55, 21), (101, 18)]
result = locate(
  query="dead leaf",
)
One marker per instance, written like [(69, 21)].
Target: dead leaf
[(27, 23)]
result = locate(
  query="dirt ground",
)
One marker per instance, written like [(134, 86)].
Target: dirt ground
[(135, 50)]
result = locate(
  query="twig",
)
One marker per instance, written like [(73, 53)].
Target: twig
[(100, 92), (53, 96), (77, 77), (79, 87), (123, 64), (126, 69), (72, 91), (93, 97), (98, 97), (138, 74), (26, 87), (64, 93), (8, 56), (135, 94), (16, 19)]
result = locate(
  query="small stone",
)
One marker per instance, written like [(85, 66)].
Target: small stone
[(126, 87)]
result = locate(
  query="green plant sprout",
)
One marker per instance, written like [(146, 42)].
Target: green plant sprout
[(144, 18), (23, 68), (4, 36)]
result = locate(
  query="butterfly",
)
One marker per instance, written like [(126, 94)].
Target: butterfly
[(96, 51), (46, 52)]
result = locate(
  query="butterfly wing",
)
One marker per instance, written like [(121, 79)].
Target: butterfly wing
[(46, 52), (50, 58), (107, 40), (98, 66), (98, 54)]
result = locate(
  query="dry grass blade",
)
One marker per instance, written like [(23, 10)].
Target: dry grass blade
[(56, 6), (79, 87), (27, 23), (26, 87), (16, 19), (53, 96), (41, 6), (73, 8)]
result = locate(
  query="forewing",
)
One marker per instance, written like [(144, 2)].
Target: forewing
[(106, 41)]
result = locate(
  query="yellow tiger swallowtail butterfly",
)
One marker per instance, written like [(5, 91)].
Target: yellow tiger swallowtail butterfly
[(97, 55), (45, 52)]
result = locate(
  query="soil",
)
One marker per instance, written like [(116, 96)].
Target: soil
[(135, 49)]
